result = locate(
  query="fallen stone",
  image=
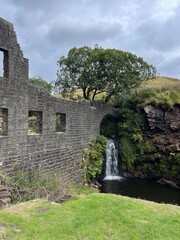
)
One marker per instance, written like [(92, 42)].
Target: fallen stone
[(164, 181)]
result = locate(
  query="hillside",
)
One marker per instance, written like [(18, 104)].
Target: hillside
[(158, 83), (162, 82)]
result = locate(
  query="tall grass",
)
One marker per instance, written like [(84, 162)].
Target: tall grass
[(32, 185)]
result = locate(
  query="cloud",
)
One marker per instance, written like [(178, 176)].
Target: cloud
[(71, 35), (161, 36), (47, 30)]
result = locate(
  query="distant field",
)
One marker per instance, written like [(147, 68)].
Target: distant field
[(162, 82)]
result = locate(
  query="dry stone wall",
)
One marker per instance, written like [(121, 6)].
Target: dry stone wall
[(49, 150)]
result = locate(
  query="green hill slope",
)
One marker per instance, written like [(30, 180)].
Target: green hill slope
[(162, 82)]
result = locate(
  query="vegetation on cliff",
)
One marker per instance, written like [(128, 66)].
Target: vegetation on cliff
[(140, 150)]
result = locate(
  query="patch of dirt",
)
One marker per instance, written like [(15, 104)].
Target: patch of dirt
[(43, 210), (14, 228)]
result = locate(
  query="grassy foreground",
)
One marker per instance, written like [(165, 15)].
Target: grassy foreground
[(94, 217)]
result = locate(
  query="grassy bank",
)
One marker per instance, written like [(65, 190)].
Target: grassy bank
[(94, 217)]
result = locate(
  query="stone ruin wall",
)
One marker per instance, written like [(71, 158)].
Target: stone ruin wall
[(48, 150)]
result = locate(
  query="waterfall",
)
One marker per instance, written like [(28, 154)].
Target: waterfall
[(112, 168)]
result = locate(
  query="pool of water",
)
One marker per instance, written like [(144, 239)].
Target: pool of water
[(142, 188)]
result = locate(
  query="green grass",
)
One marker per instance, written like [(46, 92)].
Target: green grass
[(94, 217)]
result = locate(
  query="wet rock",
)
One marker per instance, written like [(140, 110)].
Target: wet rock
[(162, 118), (126, 174), (164, 181), (164, 127), (175, 125), (95, 184), (139, 174)]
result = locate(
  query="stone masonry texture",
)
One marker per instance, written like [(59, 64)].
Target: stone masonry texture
[(50, 150)]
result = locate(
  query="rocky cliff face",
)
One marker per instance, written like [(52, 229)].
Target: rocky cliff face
[(164, 133), (164, 127)]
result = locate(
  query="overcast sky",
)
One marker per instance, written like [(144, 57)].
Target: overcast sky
[(48, 29)]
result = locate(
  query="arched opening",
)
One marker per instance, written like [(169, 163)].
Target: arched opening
[(109, 126)]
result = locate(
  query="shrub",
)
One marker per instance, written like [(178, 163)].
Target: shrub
[(94, 158), (128, 155), (168, 97)]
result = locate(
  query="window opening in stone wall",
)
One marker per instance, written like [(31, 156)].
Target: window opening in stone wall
[(60, 122), (3, 121), (35, 122), (4, 63)]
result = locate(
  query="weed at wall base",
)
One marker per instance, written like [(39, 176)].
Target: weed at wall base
[(27, 186)]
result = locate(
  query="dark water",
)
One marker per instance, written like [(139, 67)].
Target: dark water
[(142, 188)]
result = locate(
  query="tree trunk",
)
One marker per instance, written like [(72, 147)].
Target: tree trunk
[(84, 93), (94, 94), (88, 93), (108, 97)]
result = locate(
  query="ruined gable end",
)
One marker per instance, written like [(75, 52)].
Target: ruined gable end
[(13, 65)]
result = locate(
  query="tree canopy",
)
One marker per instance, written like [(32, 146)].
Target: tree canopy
[(96, 70), (38, 81)]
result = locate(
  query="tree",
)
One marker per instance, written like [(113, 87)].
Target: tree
[(96, 70), (38, 81)]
